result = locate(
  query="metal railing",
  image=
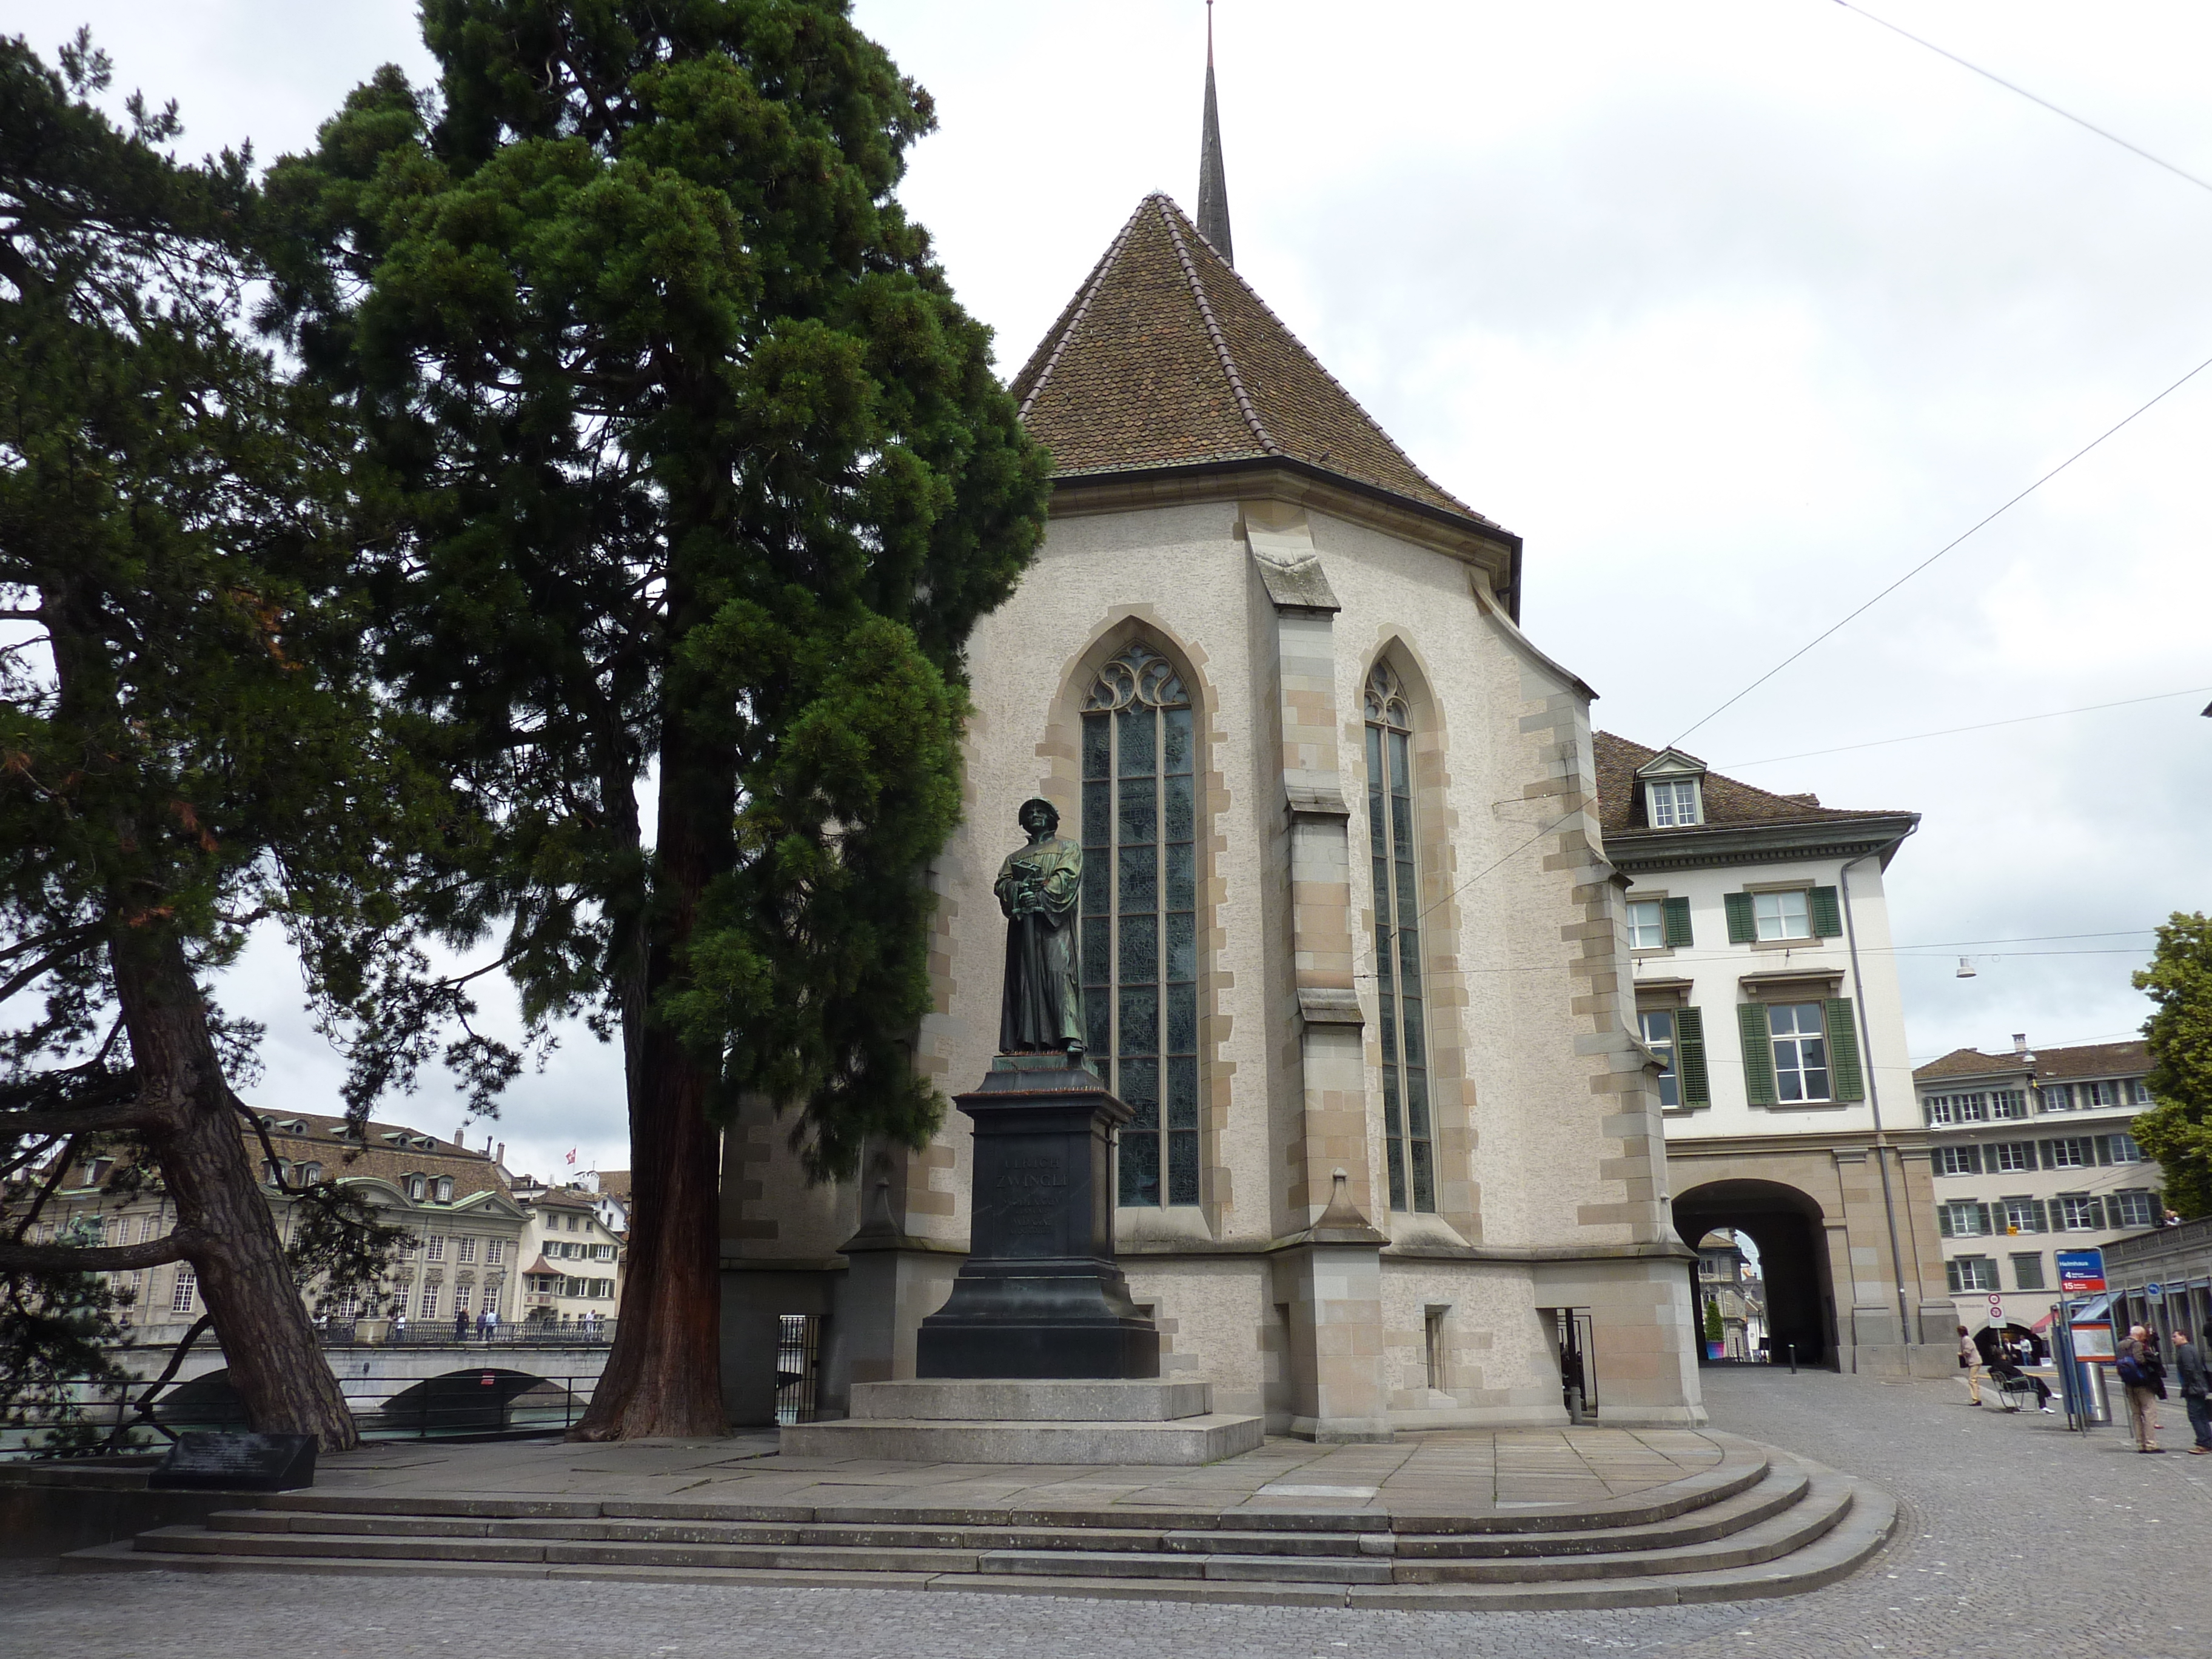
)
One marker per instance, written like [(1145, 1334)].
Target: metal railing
[(527, 1334), (103, 1416)]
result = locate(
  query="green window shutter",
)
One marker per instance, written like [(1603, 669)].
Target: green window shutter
[(1741, 928), (1758, 1053), (1983, 1211), (2042, 1217), (1678, 921), (1690, 1075), (2097, 1214), (2044, 1155), (1943, 1226), (1827, 914), (2103, 1149), (1974, 1157), (1846, 1079)]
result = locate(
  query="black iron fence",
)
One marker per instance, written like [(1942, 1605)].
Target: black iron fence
[(90, 1416)]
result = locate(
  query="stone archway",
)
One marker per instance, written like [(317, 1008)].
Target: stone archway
[(1790, 1229)]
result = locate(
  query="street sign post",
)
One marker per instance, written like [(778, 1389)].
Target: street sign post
[(2081, 1272)]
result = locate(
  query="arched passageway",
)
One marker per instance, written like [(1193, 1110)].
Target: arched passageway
[(1789, 1230)]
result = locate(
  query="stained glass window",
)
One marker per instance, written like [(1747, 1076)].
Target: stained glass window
[(1407, 1137), (1140, 917)]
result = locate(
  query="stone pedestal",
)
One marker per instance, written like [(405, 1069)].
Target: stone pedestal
[(1007, 1420), (1039, 1295)]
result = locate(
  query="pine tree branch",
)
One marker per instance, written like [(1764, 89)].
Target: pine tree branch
[(129, 1114), (71, 945), (180, 1244), (144, 1410)]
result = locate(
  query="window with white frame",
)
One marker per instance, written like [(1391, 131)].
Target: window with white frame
[(2021, 1215), (2078, 1212), (2131, 1206), (417, 1187), (1647, 925), (433, 1247), (2139, 1093), (495, 1251), (2055, 1097), (1800, 1051), (461, 1293), (2008, 1102), (1963, 1219), (1972, 1273), (445, 1189), (1957, 1160), (1782, 915), (2100, 1094), (2074, 1152), (187, 1287), (464, 1248), (2122, 1149), (1658, 1026), (1957, 1109), (1673, 802), (603, 1252), (2008, 1155)]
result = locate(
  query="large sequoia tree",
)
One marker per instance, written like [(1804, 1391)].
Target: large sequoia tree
[(707, 472)]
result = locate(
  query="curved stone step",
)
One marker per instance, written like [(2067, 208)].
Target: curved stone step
[(1783, 1486)]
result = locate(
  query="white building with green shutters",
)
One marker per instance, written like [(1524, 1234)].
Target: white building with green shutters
[(1758, 939)]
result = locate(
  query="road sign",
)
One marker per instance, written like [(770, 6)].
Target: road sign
[(2081, 1272), (2153, 1289)]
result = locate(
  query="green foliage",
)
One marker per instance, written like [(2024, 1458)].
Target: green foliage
[(2178, 1130), (1713, 1328), (701, 466), (57, 1329)]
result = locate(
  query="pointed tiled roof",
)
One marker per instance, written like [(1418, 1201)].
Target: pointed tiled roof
[(1166, 358)]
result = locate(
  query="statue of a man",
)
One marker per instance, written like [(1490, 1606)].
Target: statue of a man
[(1039, 887)]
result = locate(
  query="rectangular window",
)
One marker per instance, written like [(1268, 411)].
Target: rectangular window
[(429, 1303), (494, 1250), (2122, 1149), (2021, 1215), (2075, 1152), (1957, 1109), (1957, 1160), (433, 1247), (2131, 1206), (1800, 1051), (1140, 919), (603, 1252), (2139, 1093), (1964, 1219), (1647, 925), (461, 1299), (1972, 1273), (1673, 803), (1407, 1131), (2077, 1212), (2008, 1155), (1783, 915), (2055, 1097), (2009, 1103), (187, 1286), (1659, 1037), (2028, 1271), (2100, 1094), (465, 1249)]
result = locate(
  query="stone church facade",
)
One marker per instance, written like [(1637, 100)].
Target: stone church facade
[(1351, 949)]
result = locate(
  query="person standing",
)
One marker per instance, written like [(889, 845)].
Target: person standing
[(1970, 1361), (2196, 1391), (2134, 1367)]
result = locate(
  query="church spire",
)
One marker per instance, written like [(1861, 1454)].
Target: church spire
[(1212, 185)]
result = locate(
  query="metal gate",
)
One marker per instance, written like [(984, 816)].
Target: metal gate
[(798, 1367), (1574, 1338)]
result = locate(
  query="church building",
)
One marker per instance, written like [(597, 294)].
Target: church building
[(1350, 947)]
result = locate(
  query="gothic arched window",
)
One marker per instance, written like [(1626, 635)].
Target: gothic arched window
[(1406, 1131), (1140, 917)]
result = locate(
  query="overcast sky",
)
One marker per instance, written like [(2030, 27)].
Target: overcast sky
[(1735, 312)]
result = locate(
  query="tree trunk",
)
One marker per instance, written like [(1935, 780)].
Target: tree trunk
[(664, 1375), (262, 1324)]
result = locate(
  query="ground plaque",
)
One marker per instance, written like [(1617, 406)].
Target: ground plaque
[(201, 1461)]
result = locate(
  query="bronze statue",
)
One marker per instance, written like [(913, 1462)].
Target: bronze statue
[(1039, 887)]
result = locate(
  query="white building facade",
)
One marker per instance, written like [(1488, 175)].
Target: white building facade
[(2031, 1156), (1758, 930)]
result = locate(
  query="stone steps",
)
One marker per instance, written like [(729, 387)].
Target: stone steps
[(1772, 1528)]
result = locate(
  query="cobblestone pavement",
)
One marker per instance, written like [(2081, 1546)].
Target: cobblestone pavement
[(2016, 1540)]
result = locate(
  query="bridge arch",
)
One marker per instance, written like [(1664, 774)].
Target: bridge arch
[(1791, 1228)]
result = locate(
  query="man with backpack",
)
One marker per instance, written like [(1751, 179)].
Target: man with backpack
[(2136, 1375)]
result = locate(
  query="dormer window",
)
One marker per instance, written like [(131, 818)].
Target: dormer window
[(1673, 803), (445, 1189), (417, 1188)]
